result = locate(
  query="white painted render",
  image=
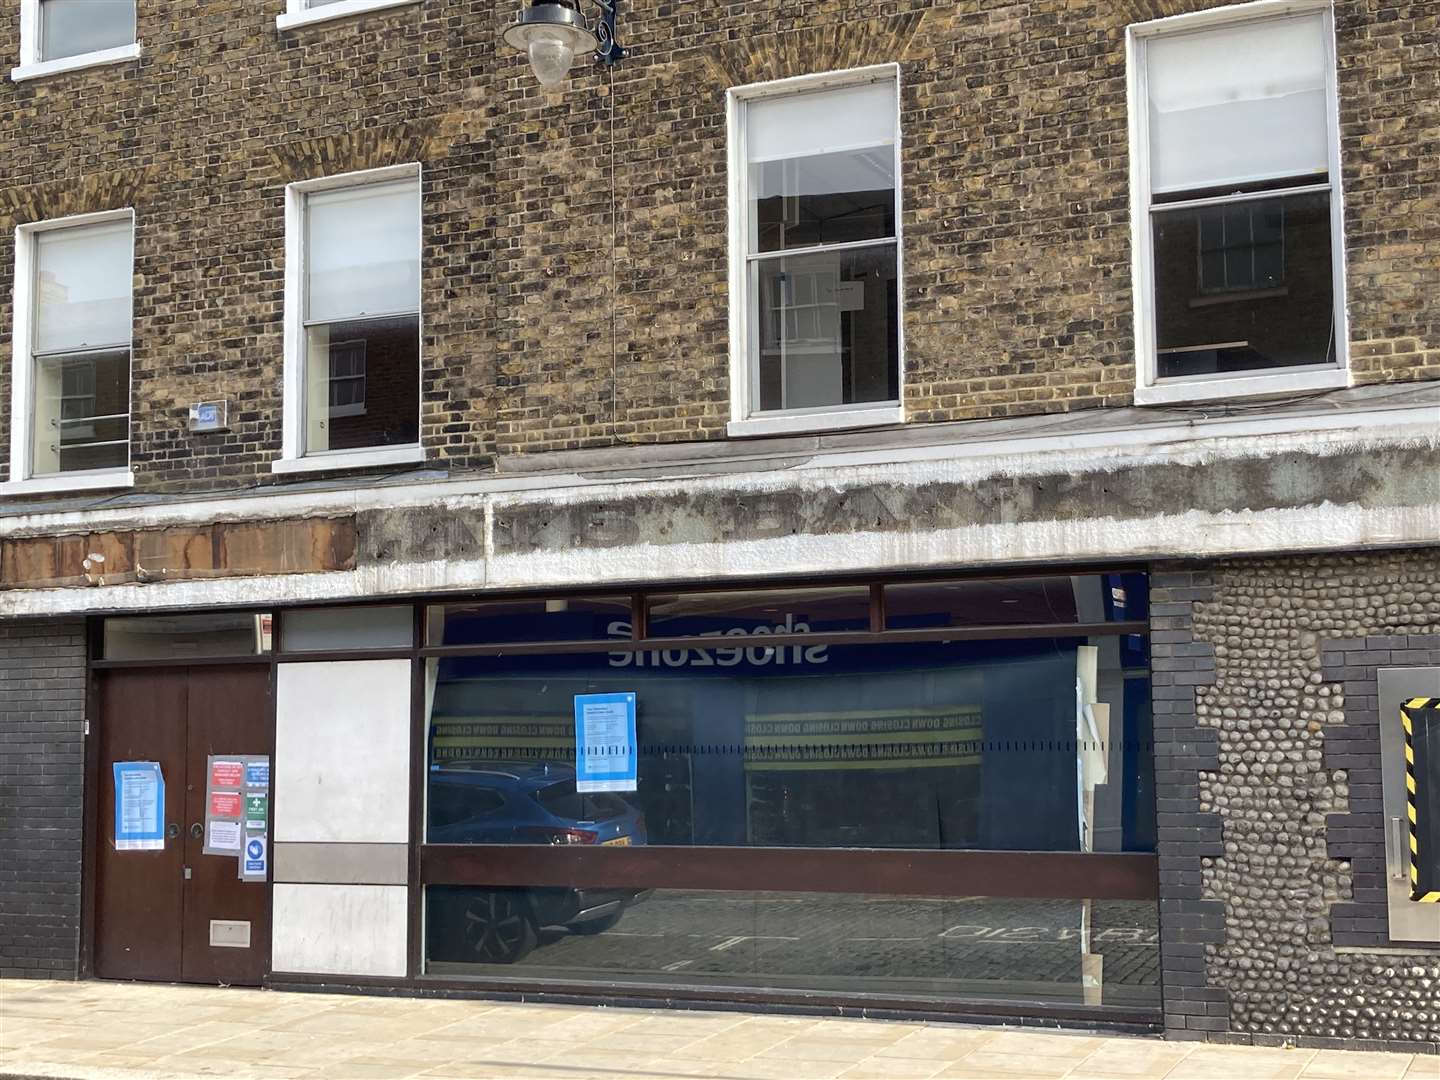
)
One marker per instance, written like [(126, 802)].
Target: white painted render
[(304, 937), (342, 752), (1047, 446)]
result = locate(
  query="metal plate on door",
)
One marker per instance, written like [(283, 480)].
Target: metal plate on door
[(229, 934)]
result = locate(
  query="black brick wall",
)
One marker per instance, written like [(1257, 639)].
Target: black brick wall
[(1184, 835), (1354, 746), (42, 770)]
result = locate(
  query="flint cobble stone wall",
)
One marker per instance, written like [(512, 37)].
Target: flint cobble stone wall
[(1270, 847), (574, 274), (42, 768)]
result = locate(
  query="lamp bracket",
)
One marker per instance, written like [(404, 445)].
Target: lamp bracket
[(609, 50)]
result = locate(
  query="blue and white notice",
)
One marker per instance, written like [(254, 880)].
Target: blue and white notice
[(139, 806), (606, 757)]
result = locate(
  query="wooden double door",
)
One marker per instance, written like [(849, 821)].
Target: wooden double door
[(177, 915)]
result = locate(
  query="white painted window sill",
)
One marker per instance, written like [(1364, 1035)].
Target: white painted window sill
[(293, 20), (75, 63), (351, 459), (1227, 388), (802, 423), (62, 482)]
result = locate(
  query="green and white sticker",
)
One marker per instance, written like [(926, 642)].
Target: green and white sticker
[(257, 811)]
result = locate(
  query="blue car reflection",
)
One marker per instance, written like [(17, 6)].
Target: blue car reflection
[(490, 802)]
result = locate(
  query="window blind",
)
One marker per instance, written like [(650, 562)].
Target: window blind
[(83, 288), (824, 122), (363, 251), (1237, 105)]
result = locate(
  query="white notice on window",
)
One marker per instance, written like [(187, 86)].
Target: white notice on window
[(224, 836)]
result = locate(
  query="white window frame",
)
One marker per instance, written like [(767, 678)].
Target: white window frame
[(1149, 389), (22, 370), (744, 373), (31, 66), (293, 458), (299, 12)]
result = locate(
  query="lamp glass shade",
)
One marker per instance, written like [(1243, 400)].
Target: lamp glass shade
[(551, 35), (551, 55)]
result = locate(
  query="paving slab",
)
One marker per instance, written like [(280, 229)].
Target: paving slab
[(131, 1031)]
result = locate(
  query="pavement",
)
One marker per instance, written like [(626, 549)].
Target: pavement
[(133, 1031)]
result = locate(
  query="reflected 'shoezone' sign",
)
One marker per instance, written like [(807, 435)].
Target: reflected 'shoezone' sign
[(724, 656)]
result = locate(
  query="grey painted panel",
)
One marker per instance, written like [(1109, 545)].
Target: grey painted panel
[(342, 864)]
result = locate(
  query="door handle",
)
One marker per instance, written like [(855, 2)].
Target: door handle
[(196, 831), (171, 831)]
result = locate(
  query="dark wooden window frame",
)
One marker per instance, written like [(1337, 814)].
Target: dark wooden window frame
[(898, 872)]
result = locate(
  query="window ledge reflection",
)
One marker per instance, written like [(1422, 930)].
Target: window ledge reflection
[(881, 415), (343, 9), (351, 459), (1210, 388), (99, 58), (86, 481)]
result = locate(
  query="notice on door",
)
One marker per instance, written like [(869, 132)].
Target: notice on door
[(139, 806), (222, 838), (225, 804), (254, 864), (257, 811), (226, 773), (237, 805), (606, 755)]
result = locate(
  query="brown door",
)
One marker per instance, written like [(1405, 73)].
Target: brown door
[(139, 895), (229, 713), (154, 910)]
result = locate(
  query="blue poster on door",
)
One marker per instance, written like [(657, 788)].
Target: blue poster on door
[(605, 743), (139, 806)]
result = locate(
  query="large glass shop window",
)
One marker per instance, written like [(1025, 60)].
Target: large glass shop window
[(1038, 744), (1012, 743)]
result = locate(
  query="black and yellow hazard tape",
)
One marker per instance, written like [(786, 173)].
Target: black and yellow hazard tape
[(1412, 714)]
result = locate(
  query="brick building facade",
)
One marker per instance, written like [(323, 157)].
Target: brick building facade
[(579, 425)]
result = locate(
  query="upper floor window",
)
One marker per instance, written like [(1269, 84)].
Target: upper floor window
[(71, 27), (1239, 269), (815, 253), (353, 310), (70, 414), (62, 35)]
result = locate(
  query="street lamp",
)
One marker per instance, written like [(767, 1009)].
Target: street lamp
[(552, 32)]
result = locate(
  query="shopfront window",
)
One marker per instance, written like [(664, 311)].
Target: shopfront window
[(561, 618), (913, 745), (907, 947), (1001, 716), (174, 637)]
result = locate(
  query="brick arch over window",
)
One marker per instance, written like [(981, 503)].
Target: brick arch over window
[(835, 47), (96, 192), (367, 148), (1145, 10)]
